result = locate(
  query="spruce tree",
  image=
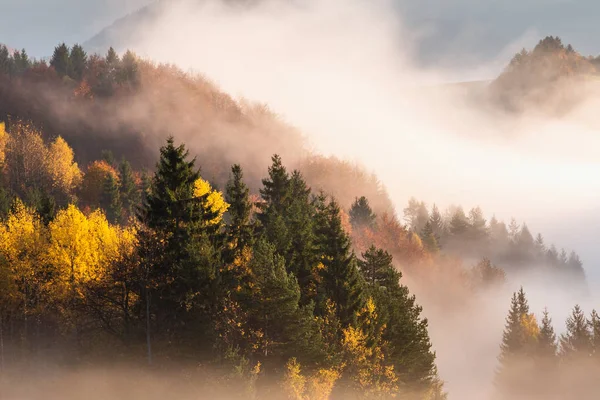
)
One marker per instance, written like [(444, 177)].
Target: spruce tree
[(361, 214), (341, 280), (78, 62), (5, 60), (128, 190), (430, 239), (459, 224), (377, 269), (240, 229), (110, 199), (60, 60), (302, 256), (576, 342), (595, 333), (547, 340)]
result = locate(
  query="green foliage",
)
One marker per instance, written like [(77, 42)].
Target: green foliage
[(61, 61), (361, 214), (77, 62)]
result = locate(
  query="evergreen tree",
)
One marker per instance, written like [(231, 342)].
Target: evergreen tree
[(302, 256), (78, 62), (361, 213), (459, 225), (477, 225), (547, 340), (110, 199), (128, 71), (377, 269), (128, 190), (341, 280), (540, 247), (5, 60), (61, 60), (576, 341), (416, 215), (183, 273), (240, 230), (430, 239), (112, 58), (437, 223), (595, 333)]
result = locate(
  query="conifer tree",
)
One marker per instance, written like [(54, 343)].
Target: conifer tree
[(240, 230), (61, 60), (459, 225), (595, 333), (128, 190), (341, 280), (361, 214), (430, 239), (576, 341), (377, 269), (477, 225), (78, 62), (547, 340), (110, 199), (5, 60)]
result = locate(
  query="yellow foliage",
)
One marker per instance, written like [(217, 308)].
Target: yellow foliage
[(22, 240), (25, 157), (92, 184), (63, 171), (318, 386), (3, 140), (530, 326), (81, 248), (215, 200), (366, 363)]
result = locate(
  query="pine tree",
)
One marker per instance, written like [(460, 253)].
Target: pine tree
[(128, 71), (437, 223), (459, 225), (430, 239), (240, 230), (110, 199), (547, 340), (576, 341), (60, 60), (302, 255), (595, 333), (377, 269), (5, 60), (361, 214), (477, 225), (128, 190), (341, 280), (78, 62)]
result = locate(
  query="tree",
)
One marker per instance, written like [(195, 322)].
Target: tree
[(518, 349), (361, 214), (128, 189), (5, 60), (478, 228), (576, 341), (547, 340), (437, 223), (110, 199), (486, 275), (77, 62), (128, 71), (377, 269), (594, 323), (430, 239), (341, 281), (63, 170), (61, 61), (416, 214), (94, 179), (240, 229)]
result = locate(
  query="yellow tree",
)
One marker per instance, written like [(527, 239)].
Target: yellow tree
[(366, 367), (62, 169), (22, 246), (92, 184), (25, 158), (215, 202), (3, 140)]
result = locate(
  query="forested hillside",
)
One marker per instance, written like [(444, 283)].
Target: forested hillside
[(118, 244)]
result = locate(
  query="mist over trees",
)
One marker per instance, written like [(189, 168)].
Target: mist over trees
[(535, 362), (116, 243)]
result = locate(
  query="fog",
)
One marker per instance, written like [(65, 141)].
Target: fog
[(346, 74)]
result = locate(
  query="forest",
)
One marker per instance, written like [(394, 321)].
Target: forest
[(142, 222)]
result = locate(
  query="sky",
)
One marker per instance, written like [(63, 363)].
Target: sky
[(453, 32)]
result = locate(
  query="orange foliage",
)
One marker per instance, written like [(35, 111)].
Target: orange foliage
[(93, 182)]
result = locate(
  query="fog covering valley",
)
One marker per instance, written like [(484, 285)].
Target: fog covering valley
[(346, 95)]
